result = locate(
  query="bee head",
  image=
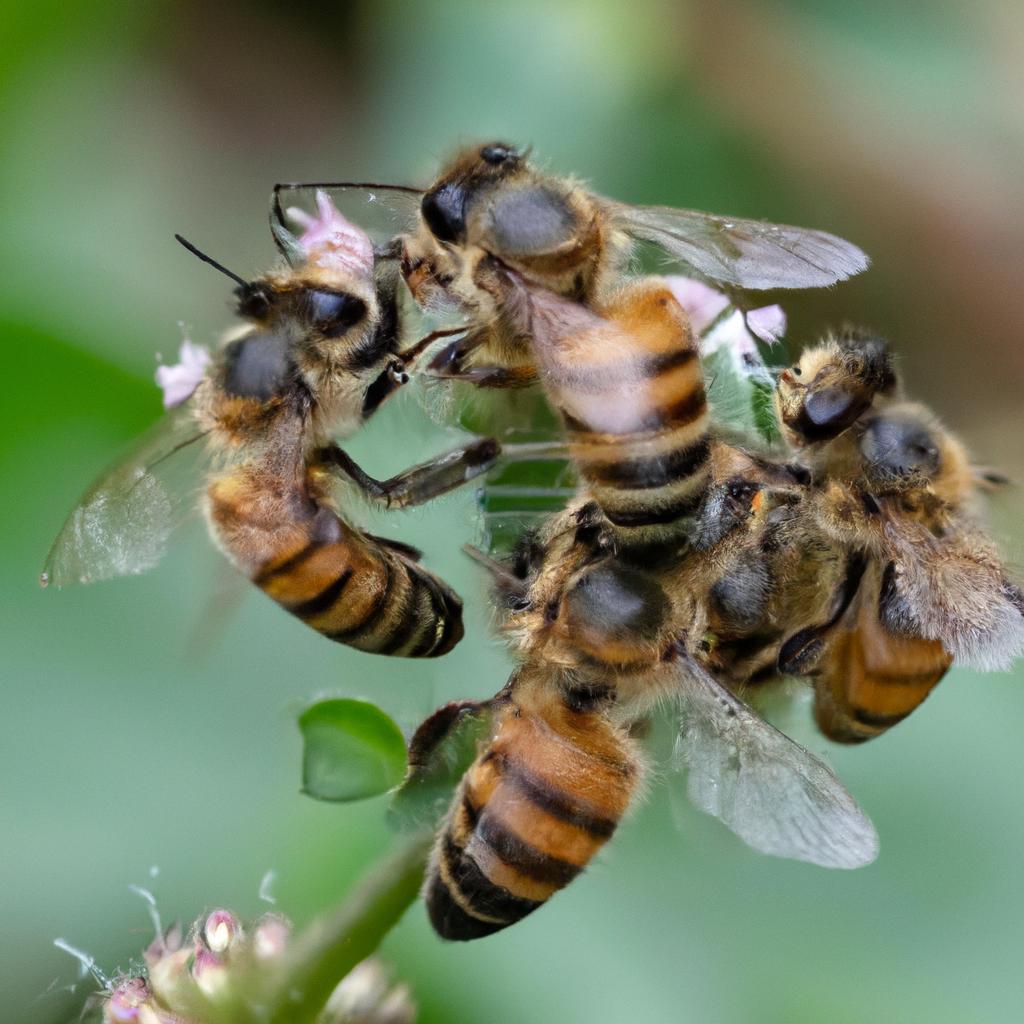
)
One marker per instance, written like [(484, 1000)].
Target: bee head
[(833, 385), (444, 204), (900, 447)]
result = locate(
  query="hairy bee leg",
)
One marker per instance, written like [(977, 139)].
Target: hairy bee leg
[(420, 483), (492, 376), (449, 364), (434, 729), (414, 351)]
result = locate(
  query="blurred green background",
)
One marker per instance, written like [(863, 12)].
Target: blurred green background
[(144, 724)]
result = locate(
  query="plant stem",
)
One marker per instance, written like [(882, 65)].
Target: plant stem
[(326, 951)]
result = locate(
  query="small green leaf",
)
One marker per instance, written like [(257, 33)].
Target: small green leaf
[(762, 401), (352, 750)]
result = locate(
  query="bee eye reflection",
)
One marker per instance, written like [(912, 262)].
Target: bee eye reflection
[(333, 313)]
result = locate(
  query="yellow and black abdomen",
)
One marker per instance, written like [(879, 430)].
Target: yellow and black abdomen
[(630, 389), (531, 812), (871, 678), (350, 587)]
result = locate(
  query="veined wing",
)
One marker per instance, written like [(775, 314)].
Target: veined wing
[(122, 523), (746, 253), (380, 210), (775, 795)]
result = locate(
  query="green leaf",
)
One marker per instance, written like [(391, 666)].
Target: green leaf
[(352, 750), (762, 401)]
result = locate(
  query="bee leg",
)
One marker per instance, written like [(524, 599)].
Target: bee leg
[(450, 364), (436, 728), (421, 483), (493, 376), (413, 352)]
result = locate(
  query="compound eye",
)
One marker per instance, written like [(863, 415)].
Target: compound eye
[(333, 313), (258, 366), (254, 301), (900, 447), (827, 413), (444, 211), (498, 153)]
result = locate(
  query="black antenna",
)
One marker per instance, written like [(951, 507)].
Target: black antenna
[(293, 186), (213, 263)]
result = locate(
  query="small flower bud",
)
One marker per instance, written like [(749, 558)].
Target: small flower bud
[(270, 936), (209, 972), (366, 996), (125, 1001), (221, 929)]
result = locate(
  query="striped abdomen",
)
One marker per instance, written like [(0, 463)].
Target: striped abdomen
[(530, 813), (871, 678), (629, 385), (350, 587)]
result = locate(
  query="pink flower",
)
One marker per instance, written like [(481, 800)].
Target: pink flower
[(331, 241), (768, 323), (704, 305), (181, 380), (701, 302)]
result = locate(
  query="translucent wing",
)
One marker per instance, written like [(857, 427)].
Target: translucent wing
[(746, 253), (122, 524), (775, 795), (380, 210)]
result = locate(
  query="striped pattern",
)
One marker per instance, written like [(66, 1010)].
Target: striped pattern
[(530, 814), (870, 679), (630, 389), (342, 583)]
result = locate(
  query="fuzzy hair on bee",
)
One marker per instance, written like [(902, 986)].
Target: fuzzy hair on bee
[(316, 355)]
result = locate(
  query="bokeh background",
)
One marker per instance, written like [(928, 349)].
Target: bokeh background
[(148, 723)]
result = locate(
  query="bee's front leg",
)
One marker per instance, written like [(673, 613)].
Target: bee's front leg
[(422, 482)]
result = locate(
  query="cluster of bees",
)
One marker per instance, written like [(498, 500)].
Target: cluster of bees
[(690, 567)]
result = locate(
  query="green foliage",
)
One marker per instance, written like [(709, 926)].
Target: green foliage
[(352, 750)]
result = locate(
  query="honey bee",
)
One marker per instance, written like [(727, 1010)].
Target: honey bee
[(896, 490), (600, 643), (318, 354), (491, 208)]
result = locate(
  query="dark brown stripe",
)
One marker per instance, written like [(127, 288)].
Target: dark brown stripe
[(652, 471), (290, 563), (450, 921), (353, 632), (553, 800), (323, 601), (470, 811), (478, 890), (684, 506), (447, 609), (598, 379), (683, 412), (866, 717), (523, 856)]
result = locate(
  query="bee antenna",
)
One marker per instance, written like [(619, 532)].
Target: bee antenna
[(506, 580), (295, 186), (213, 263)]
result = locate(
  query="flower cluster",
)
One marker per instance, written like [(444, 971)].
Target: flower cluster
[(222, 970)]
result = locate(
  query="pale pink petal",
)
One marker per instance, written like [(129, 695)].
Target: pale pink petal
[(767, 323), (332, 241), (180, 380), (701, 302)]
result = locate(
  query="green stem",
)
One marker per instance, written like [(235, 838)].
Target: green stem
[(326, 951)]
